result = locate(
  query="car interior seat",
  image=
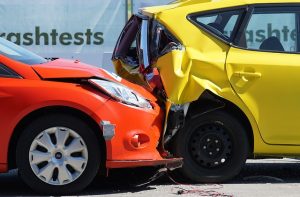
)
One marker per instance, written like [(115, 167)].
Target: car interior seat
[(271, 44)]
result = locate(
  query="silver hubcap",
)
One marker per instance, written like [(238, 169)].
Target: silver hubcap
[(58, 156)]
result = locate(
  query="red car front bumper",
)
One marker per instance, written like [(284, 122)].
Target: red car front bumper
[(134, 140)]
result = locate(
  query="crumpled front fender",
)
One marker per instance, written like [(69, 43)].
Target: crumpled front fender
[(186, 74)]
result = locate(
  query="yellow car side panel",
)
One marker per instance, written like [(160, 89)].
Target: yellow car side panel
[(184, 85), (186, 74), (200, 66), (274, 103)]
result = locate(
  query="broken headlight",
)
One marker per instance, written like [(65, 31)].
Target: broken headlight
[(121, 93)]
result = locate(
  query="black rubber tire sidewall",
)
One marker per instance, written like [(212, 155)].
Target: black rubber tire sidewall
[(194, 172), (43, 123)]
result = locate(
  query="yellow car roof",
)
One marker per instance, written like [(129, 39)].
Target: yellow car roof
[(202, 5), (238, 2)]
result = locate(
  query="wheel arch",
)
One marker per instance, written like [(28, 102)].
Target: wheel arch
[(48, 110), (209, 102)]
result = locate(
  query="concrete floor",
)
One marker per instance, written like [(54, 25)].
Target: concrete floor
[(269, 177)]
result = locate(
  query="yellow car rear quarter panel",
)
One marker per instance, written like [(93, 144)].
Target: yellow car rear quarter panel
[(200, 66)]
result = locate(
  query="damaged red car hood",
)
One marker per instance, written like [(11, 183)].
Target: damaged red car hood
[(70, 69), (61, 68)]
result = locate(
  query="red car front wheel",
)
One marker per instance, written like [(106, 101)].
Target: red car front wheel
[(58, 154)]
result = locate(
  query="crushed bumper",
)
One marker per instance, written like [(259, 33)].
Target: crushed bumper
[(171, 164)]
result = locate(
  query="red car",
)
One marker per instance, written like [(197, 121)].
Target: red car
[(62, 121)]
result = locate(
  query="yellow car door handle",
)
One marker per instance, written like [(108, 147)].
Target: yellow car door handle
[(247, 74)]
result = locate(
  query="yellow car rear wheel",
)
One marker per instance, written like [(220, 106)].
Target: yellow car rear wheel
[(214, 147)]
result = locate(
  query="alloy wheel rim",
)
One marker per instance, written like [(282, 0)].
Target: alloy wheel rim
[(58, 156), (210, 145)]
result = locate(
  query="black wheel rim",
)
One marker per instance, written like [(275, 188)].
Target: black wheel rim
[(210, 145)]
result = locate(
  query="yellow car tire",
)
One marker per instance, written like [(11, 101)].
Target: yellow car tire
[(214, 147)]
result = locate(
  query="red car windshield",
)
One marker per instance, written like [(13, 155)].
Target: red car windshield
[(18, 53)]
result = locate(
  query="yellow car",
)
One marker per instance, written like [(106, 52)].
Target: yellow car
[(229, 79)]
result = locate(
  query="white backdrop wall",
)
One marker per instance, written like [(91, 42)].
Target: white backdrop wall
[(145, 3), (75, 29)]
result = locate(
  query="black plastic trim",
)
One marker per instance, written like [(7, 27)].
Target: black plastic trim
[(215, 11), (11, 73)]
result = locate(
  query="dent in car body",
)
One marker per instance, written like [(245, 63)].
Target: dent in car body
[(188, 72)]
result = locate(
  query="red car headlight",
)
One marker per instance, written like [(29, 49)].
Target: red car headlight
[(121, 93)]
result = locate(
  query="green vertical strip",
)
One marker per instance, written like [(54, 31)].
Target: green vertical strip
[(130, 8)]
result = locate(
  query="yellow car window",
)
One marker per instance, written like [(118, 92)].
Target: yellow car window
[(220, 24), (266, 31)]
